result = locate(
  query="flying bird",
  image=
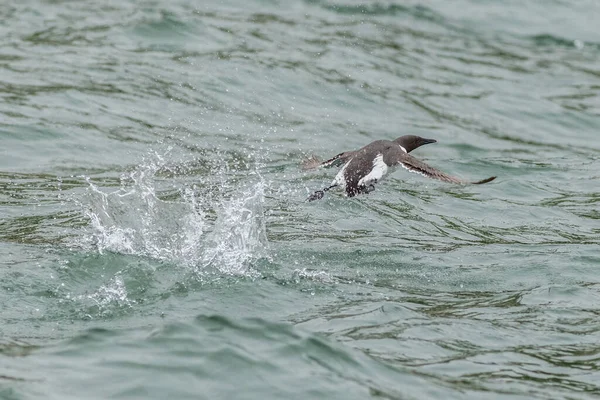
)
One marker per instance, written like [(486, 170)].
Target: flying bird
[(362, 168)]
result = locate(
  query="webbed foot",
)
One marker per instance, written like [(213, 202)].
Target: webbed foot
[(318, 195), (366, 189)]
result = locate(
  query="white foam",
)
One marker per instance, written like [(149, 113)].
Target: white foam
[(239, 235), (133, 220), (136, 219), (107, 298)]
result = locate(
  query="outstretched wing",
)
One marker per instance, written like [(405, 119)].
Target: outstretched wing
[(414, 165), (337, 161)]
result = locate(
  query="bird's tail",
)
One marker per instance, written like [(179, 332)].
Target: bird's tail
[(491, 178), (318, 195)]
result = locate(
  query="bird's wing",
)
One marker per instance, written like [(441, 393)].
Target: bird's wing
[(414, 165), (338, 160)]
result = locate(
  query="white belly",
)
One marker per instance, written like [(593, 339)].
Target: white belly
[(377, 172), (339, 179)]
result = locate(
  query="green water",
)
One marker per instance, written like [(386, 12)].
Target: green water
[(155, 241)]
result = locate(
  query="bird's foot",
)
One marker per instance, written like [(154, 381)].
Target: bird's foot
[(366, 189), (318, 195)]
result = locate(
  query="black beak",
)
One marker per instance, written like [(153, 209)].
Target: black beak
[(427, 141)]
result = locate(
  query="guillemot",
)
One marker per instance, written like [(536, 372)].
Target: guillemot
[(365, 167)]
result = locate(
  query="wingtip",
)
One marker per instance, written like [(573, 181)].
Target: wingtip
[(484, 180)]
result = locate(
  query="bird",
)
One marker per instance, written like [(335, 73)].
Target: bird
[(363, 168)]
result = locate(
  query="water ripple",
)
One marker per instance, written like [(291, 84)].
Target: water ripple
[(149, 172)]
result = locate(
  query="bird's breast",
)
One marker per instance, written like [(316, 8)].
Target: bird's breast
[(378, 171), (340, 178)]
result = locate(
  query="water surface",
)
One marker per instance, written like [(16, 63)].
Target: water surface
[(154, 236)]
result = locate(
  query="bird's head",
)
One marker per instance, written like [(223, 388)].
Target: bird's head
[(411, 142)]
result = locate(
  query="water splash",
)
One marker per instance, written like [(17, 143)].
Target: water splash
[(312, 275), (136, 219), (106, 299), (239, 235)]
